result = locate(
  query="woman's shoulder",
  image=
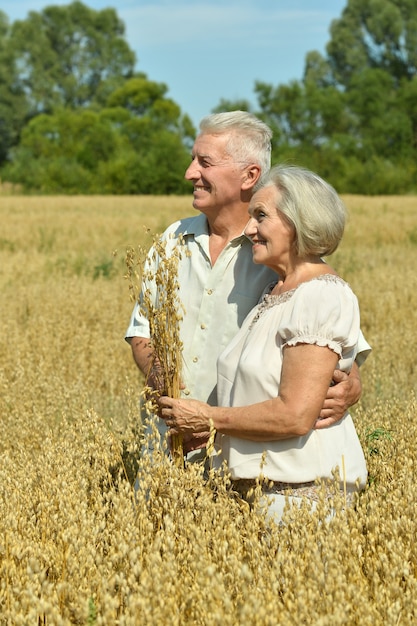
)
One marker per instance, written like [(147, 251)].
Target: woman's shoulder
[(324, 289), (324, 282)]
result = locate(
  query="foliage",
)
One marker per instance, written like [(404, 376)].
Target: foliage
[(106, 151), (352, 117), (374, 34), (13, 104), (70, 56), (76, 118), (156, 292)]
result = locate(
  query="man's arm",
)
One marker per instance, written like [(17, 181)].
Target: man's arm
[(143, 356), (142, 353), (340, 397)]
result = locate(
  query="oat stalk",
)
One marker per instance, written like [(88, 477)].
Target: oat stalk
[(160, 302)]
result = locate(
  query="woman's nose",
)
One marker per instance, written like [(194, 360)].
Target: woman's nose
[(250, 228)]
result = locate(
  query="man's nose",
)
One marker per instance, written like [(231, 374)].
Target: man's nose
[(191, 171)]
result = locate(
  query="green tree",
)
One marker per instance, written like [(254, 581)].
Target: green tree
[(383, 126), (86, 122), (353, 116), (70, 56), (122, 149), (374, 34), (13, 103), (60, 152), (233, 105), (373, 56), (157, 133), (309, 120), (65, 56), (151, 110)]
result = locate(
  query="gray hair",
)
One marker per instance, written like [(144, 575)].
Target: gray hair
[(312, 206), (250, 138)]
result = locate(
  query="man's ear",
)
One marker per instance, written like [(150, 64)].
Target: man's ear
[(252, 175)]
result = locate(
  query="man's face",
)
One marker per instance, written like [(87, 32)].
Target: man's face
[(217, 179)]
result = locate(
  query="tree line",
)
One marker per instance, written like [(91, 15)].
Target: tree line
[(77, 117)]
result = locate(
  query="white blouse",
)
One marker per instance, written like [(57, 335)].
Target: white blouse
[(323, 311)]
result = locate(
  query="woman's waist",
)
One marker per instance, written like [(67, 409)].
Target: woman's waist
[(248, 487), (270, 486)]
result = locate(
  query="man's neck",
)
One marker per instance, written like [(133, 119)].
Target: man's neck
[(228, 225), (224, 228)]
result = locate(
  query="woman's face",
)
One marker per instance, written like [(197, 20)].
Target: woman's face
[(269, 230)]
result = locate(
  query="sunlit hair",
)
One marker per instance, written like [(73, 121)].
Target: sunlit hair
[(249, 141), (312, 206)]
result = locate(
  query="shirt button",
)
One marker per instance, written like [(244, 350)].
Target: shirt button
[(195, 359), (203, 326), (209, 291), (186, 392)]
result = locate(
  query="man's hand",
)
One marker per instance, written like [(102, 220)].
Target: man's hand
[(343, 394), (196, 441)]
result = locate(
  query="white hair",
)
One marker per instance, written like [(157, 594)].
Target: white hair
[(312, 206), (249, 140)]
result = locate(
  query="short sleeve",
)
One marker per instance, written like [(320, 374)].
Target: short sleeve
[(325, 312), (139, 325), (364, 350)]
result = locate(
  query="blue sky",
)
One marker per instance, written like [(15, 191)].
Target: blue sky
[(205, 50)]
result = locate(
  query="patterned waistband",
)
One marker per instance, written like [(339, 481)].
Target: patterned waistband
[(246, 488), (270, 486)]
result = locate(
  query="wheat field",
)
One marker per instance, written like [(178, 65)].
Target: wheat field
[(77, 546)]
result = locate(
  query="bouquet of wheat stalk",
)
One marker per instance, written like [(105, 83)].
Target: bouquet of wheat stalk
[(154, 285)]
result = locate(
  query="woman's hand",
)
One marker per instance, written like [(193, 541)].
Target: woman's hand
[(184, 416)]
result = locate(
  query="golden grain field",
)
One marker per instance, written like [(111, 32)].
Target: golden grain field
[(77, 547)]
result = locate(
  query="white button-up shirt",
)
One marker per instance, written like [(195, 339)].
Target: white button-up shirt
[(216, 300)]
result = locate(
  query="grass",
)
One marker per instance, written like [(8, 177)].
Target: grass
[(77, 546)]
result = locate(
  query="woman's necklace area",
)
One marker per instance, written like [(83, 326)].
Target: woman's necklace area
[(272, 298)]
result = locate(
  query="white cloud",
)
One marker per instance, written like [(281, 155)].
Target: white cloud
[(171, 23)]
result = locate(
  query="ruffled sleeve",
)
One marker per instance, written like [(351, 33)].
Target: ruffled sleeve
[(325, 312)]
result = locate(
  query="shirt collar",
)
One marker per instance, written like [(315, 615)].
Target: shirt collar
[(198, 227)]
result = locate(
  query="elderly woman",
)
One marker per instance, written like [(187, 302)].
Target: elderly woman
[(274, 375)]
